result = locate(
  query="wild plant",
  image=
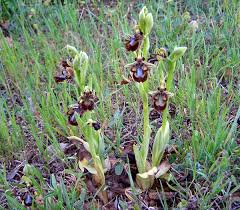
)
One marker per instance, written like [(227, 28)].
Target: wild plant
[(140, 72), (80, 114)]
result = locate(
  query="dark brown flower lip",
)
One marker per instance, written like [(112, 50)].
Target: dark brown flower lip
[(72, 112), (160, 99), (88, 100), (86, 103), (152, 60), (133, 42), (60, 78), (28, 199), (140, 69), (96, 126), (65, 64), (140, 75), (66, 74)]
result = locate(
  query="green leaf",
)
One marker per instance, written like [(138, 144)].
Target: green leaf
[(85, 165), (139, 160), (99, 168), (146, 180), (146, 125), (53, 181), (160, 142), (85, 144)]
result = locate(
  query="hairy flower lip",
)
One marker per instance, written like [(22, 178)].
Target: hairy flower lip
[(86, 103), (96, 126), (132, 43), (88, 100), (139, 69), (160, 99), (65, 64), (72, 112)]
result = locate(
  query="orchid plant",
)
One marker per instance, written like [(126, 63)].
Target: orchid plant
[(139, 72), (81, 114)]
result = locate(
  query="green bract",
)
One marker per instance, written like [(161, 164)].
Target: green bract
[(177, 53)]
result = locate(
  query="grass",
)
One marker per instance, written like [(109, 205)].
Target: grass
[(33, 106)]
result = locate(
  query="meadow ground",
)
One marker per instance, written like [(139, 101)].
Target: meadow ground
[(39, 163)]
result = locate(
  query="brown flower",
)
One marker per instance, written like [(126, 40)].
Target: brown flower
[(160, 98), (140, 69), (132, 43), (159, 54), (86, 103), (72, 112), (66, 72), (88, 100)]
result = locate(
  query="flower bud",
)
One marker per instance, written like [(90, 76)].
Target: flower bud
[(33, 11), (71, 50), (177, 53), (142, 17), (35, 27), (148, 23), (145, 21), (79, 60), (83, 56), (238, 18)]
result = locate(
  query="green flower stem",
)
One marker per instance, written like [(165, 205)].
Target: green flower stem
[(146, 46), (147, 129), (78, 79), (171, 69)]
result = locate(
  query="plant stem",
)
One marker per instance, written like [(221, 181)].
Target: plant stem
[(146, 45), (171, 68), (147, 129)]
